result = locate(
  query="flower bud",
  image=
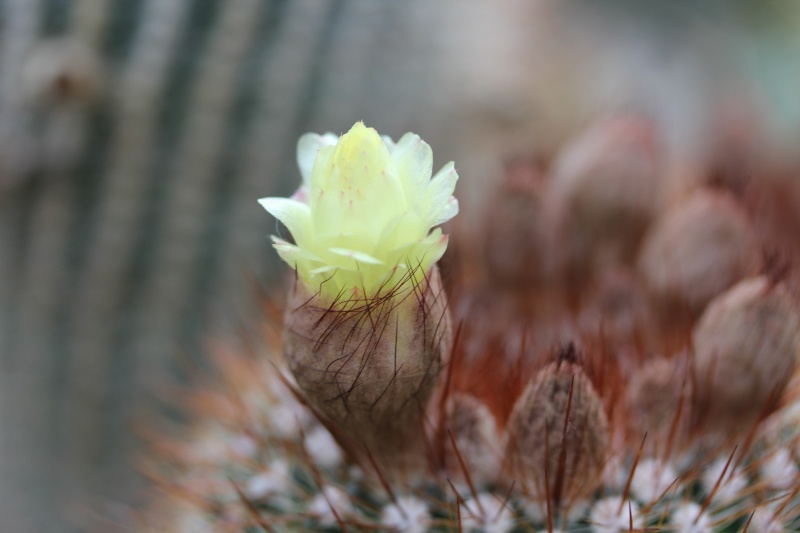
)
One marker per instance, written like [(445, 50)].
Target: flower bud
[(366, 330), (659, 404), (609, 179), (557, 431), (522, 226), (697, 250), (471, 435), (369, 365), (746, 347), (616, 308)]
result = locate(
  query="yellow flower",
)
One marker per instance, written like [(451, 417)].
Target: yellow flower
[(362, 219)]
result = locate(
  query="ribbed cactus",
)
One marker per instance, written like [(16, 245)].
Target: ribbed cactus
[(582, 399)]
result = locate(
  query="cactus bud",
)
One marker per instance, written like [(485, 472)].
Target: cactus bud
[(697, 250), (521, 225), (558, 432), (616, 307), (367, 330), (609, 180), (659, 404), (472, 431), (746, 347), (369, 365)]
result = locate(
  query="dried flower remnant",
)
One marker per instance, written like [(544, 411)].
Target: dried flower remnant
[(557, 435), (367, 330)]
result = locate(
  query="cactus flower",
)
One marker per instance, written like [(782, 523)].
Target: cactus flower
[(362, 219), (366, 355)]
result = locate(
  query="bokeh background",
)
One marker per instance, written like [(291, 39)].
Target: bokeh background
[(137, 135)]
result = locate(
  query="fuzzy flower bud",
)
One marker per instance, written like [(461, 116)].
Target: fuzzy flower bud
[(366, 330), (698, 249), (522, 228), (746, 347), (558, 431), (659, 404), (474, 435), (609, 179)]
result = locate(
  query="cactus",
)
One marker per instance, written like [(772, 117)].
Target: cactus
[(372, 401)]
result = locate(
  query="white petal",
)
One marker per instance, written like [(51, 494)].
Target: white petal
[(433, 247), (402, 231), (283, 246), (322, 270), (358, 256), (292, 256), (390, 144), (413, 159), (449, 210), (421, 255), (439, 194), (307, 147), (355, 189), (296, 216)]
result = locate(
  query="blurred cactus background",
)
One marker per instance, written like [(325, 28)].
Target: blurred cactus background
[(137, 135)]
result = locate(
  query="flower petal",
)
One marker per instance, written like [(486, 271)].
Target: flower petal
[(296, 216), (449, 210), (283, 246), (389, 142), (362, 217), (420, 256), (307, 147), (413, 159), (440, 205), (293, 256), (355, 188), (432, 248), (358, 256), (322, 270), (395, 234)]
